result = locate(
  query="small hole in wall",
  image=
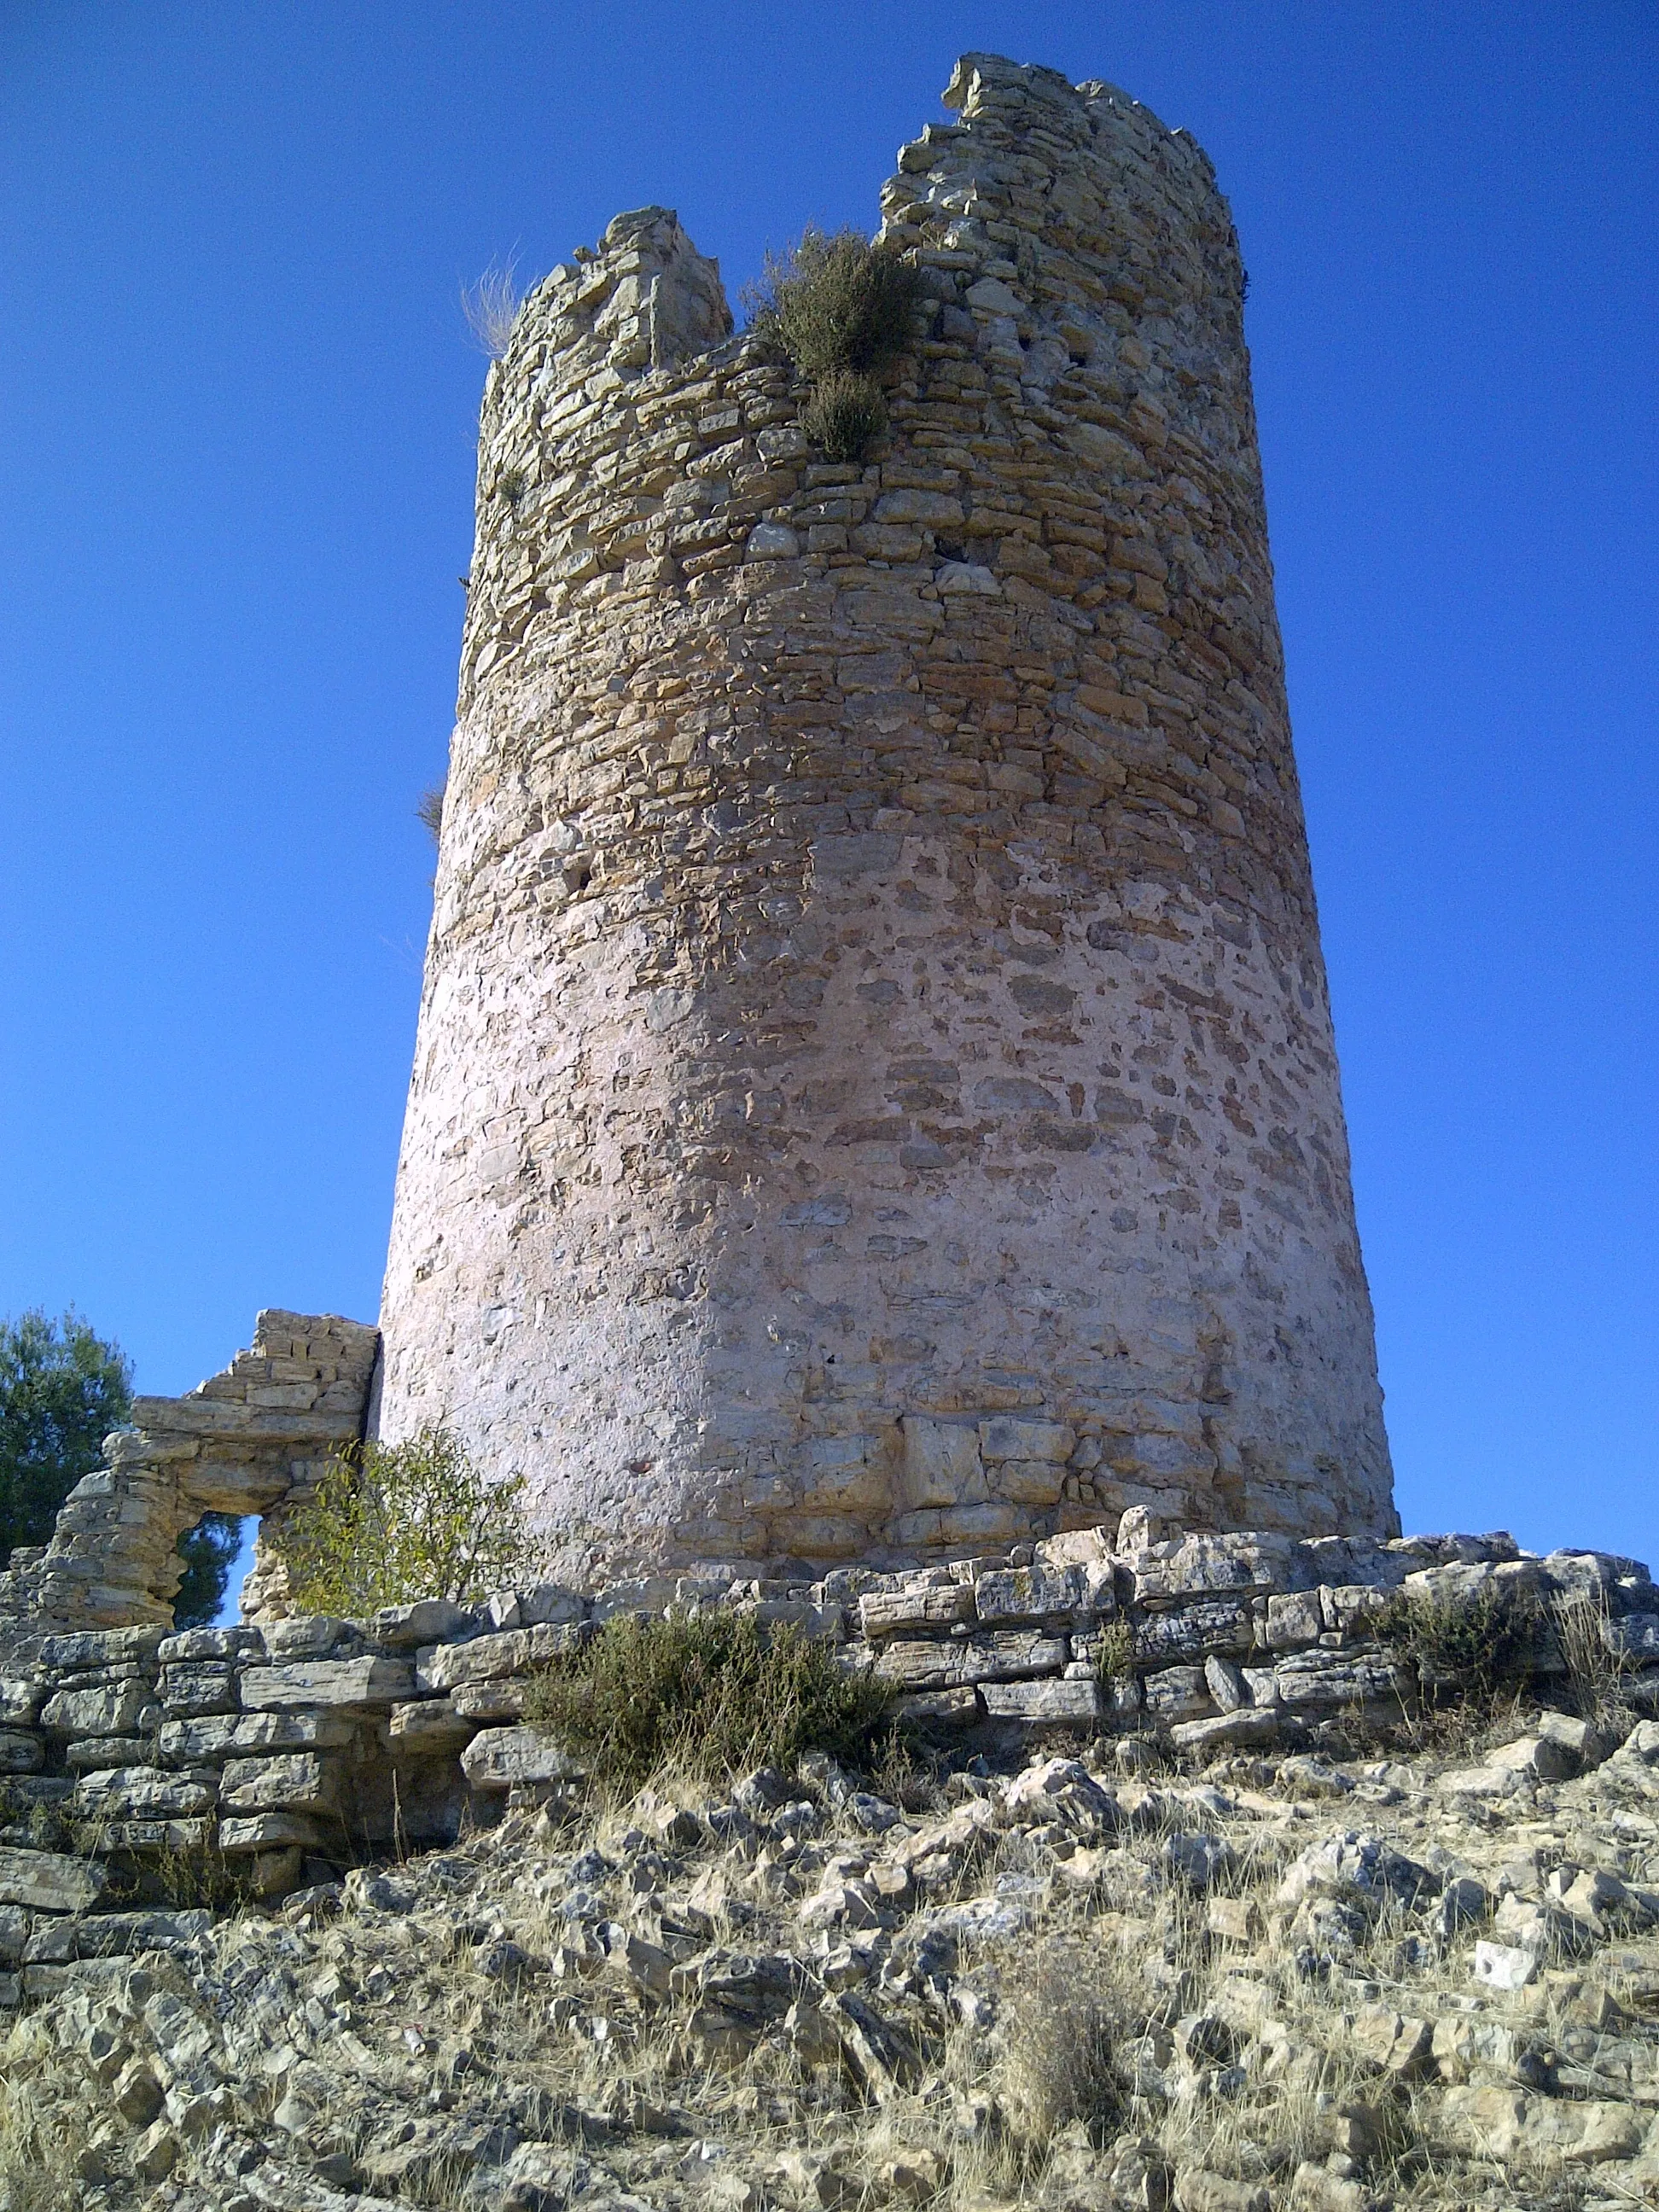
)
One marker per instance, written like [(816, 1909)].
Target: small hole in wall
[(578, 874), (217, 1553)]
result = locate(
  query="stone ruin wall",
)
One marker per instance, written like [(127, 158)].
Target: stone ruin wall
[(292, 1750), (252, 1440), (875, 1092), (287, 1748)]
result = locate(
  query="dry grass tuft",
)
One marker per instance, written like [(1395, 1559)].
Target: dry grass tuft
[(1061, 2016), (1598, 1667), (491, 306)]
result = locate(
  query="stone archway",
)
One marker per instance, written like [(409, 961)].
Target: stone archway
[(248, 1441)]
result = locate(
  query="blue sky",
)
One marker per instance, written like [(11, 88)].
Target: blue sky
[(237, 415)]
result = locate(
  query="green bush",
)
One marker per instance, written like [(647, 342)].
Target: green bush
[(711, 1692), (835, 301), (846, 415), (843, 311), (1468, 1650), (390, 1523), (1114, 1661)]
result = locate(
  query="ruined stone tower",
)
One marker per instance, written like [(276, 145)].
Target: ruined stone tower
[(875, 1095)]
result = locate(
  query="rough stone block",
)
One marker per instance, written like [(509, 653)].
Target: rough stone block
[(1050, 1700), (267, 1831), (203, 1686), (949, 1663), (958, 1708), (941, 1464), (478, 1702), (1012, 1437), (487, 1658), (21, 1754), (47, 1881), (1176, 1693), (1042, 1592), (500, 1759), (123, 1708), (431, 1726), (143, 1793), (945, 1527), (1331, 1678), (1294, 1620), (189, 1646), (221, 1736), (1028, 1481), (291, 1782), (1199, 1564), (20, 1700), (1247, 1725), (85, 1648), (428, 1620), (367, 1684), (1189, 1630), (891, 1612)]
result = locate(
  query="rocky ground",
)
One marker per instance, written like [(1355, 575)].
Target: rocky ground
[(1098, 1979)]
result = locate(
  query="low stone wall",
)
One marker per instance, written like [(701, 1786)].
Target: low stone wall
[(135, 1758)]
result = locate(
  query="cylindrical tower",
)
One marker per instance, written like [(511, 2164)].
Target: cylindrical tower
[(875, 1095)]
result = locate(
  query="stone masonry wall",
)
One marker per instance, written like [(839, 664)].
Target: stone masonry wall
[(248, 1441), (875, 1093), (288, 1753)]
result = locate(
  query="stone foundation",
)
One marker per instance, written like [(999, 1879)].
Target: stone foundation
[(294, 1750)]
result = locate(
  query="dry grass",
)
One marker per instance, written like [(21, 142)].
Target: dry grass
[(1598, 1668), (491, 306), (34, 2148), (1063, 2015), (1118, 2013)]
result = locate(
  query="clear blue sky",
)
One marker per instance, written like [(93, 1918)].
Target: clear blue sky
[(237, 410)]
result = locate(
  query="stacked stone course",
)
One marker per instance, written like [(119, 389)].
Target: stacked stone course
[(295, 1748), (875, 1095)]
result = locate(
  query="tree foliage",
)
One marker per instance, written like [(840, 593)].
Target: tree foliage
[(390, 1523), (208, 1552), (63, 1388)]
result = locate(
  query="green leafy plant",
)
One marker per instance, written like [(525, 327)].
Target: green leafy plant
[(846, 415), (843, 311), (1460, 1648), (711, 1693), (63, 1388), (1114, 1658), (389, 1523)]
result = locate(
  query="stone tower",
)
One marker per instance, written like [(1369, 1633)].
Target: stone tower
[(875, 1095)]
